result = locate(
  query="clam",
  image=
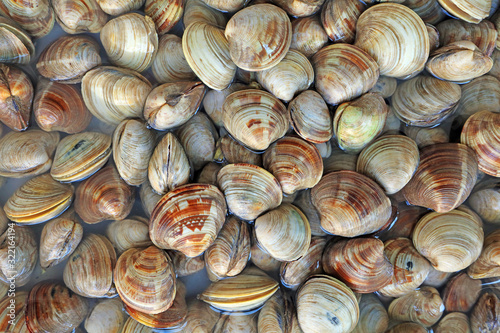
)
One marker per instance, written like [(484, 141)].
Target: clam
[(79, 16), (252, 46), (60, 107), (51, 307), (343, 72), (165, 14), (472, 11), (262, 259), (487, 265), (450, 241), (241, 322), (59, 240), (17, 269), (423, 306), (430, 11), (373, 317), (208, 175), (4, 222), (278, 315), (185, 265), (484, 34), (18, 305), (170, 65), (68, 58), (246, 291), (304, 203), (38, 200), (300, 8), (324, 304), (27, 154), (295, 163), (433, 35), (169, 165), (339, 19), (226, 6), (360, 263), (188, 218), (80, 155), (495, 70), (133, 326), (172, 104), (358, 122), (214, 100), (197, 10), (461, 293), (230, 252), (200, 317), (16, 46), (453, 322), (425, 101), (118, 7), (444, 178), (385, 86), (308, 35), (230, 151), (376, 33), (459, 61), (36, 17), (16, 95), (104, 196), (426, 136), (436, 278), (255, 118), (113, 94), (391, 161), (350, 204), (339, 160), (407, 327), (133, 145), (148, 197), (129, 233), (485, 316), (249, 190), (485, 201), (324, 148), (107, 316), (293, 74)]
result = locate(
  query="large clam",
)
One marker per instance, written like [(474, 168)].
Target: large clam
[(423, 306), (308, 35), (78, 16), (170, 65), (59, 239), (36, 17), (461, 293)]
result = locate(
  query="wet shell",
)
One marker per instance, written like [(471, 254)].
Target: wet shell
[(485, 316), (200, 318), (444, 178), (436, 278), (324, 304), (278, 315), (495, 70), (308, 35), (350, 204), (68, 58), (484, 34), (165, 14), (230, 151), (226, 6), (197, 10), (299, 8), (373, 317), (38, 200), (472, 11), (18, 324), (60, 107), (423, 306), (343, 72), (453, 322), (59, 239), (80, 155), (106, 317), (485, 202), (385, 86), (36, 17), (148, 197), (408, 328), (303, 201), (255, 118), (185, 265), (425, 136), (17, 270), (339, 19), (214, 101), (487, 264), (118, 7), (16, 95), (262, 259), (16, 46), (79, 16), (239, 322), (104, 196), (27, 154), (170, 65), (430, 11), (249, 190), (208, 175), (129, 233), (133, 326), (450, 241), (188, 218), (461, 293), (339, 160), (51, 307), (433, 34), (252, 46)]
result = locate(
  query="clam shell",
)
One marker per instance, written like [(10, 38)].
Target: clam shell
[(436, 278), (339, 19), (36, 17), (118, 7), (165, 14), (17, 270), (38, 200), (495, 70), (408, 327), (188, 218), (59, 239), (214, 101), (304, 202), (472, 11), (129, 233), (373, 317), (197, 10), (308, 35), (226, 6), (385, 86), (107, 316), (433, 35), (18, 324), (230, 151), (133, 326), (148, 197), (79, 16), (278, 315), (484, 34), (299, 8), (485, 316), (185, 265), (240, 322), (16, 46), (339, 160), (170, 65), (423, 306), (461, 293), (200, 317), (430, 11), (487, 264), (16, 95), (262, 259), (425, 136), (453, 322), (208, 175), (484, 201)]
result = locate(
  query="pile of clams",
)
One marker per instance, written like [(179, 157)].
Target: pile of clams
[(253, 166)]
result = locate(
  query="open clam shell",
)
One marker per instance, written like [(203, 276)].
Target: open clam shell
[(487, 264), (59, 239), (16, 46), (129, 233), (18, 270), (79, 16), (36, 17), (16, 95), (339, 19), (170, 65), (423, 306), (308, 35)]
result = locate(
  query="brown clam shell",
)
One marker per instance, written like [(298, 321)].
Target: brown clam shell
[(208, 175), (423, 306), (487, 264), (461, 293), (408, 327), (278, 315), (36, 17), (485, 316), (16, 46), (18, 323), (17, 270), (437, 278), (339, 19), (373, 317), (484, 34), (79, 16), (453, 322), (59, 239), (170, 65), (185, 265), (165, 14), (16, 95), (426, 136), (230, 151), (308, 35), (303, 201), (201, 317)]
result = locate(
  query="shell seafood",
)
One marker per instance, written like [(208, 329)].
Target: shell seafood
[(165, 14), (226, 6), (487, 265), (278, 315), (129, 233), (18, 323), (304, 203), (350, 204), (16, 95), (262, 259), (185, 265), (200, 317), (472, 11), (423, 306), (343, 72), (484, 201), (385, 86), (485, 316), (16, 46), (133, 326), (444, 178), (453, 322), (230, 151), (373, 317), (308, 35), (251, 44), (214, 101), (148, 197), (407, 327), (58, 240), (430, 11), (106, 316), (36, 17), (425, 136), (188, 218), (433, 35), (118, 7), (299, 8), (197, 10), (339, 19), (17, 270), (461, 293), (495, 70), (436, 278), (170, 65), (79, 16), (339, 160), (242, 322)]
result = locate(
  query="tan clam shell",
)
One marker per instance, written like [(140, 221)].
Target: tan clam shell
[(148, 197), (27, 153), (484, 34), (197, 10), (129, 233), (133, 326), (385, 86), (423, 306), (350, 204), (450, 241), (80, 155), (487, 264), (214, 101), (18, 324), (89, 270), (304, 202), (165, 14), (472, 11), (391, 161), (407, 327), (324, 304), (376, 32), (16, 95), (133, 145), (278, 315), (453, 322), (249, 190), (184, 265), (68, 58), (495, 70), (21, 267), (239, 322), (79, 16), (118, 7), (104, 196), (252, 45), (461, 293), (436, 278), (113, 94), (38, 200), (230, 151), (255, 118), (36, 17), (308, 35), (293, 74), (172, 104), (343, 72), (299, 8), (373, 317), (262, 259), (430, 11), (208, 175), (16, 46), (486, 313), (169, 165), (170, 65), (425, 136), (200, 317), (339, 19), (425, 101), (484, 201), (433, 35), (60, 107), (107, 316), (226, 6), (339, 160), (58, 240), (188, 218), (444, 178)]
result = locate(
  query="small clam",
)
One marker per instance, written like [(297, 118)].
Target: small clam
[(299, 8), (485, 316), (214, 100), (238, 322), (200, 318), (165, 14), (17, 269), (487, 265), (407, 327), (118, 7), (453, 322), (324, 304), (170, 65), (308, 35), (27, 154), (278, 315), (262, 259), (339, 160), (485, 200), (149, 198), (373, 317), (226, 6), (133, 326), (104, 196), (107, 316), (188, 218), (433, 34), (16, 95), (36, 17), (197, 10), (59, 239), (208, 175), (495, 70), (385, 86), (339, 19), (230, 151), (18, 304), (38, 200), (461, 293), (423, 306), (185, 265), (303, 201), (436, 278), (16, 46), (472, 11), (249, 190), (79, 16), (129, 233), (425, 136), (484, 34)]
